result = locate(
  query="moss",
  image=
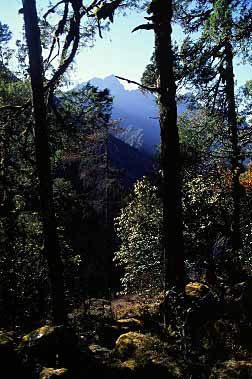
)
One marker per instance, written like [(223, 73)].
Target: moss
[(48, 373), (153, 367), (5, 339), (169, 331), (35, 334), (195, 289), (245, 363), (127, 321), (130, 364), (232, 369), (43, 344), (238, 364), (132, 343), (147, 356)]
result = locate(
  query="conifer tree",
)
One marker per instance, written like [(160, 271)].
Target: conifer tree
[(225, 32), (161, 12)]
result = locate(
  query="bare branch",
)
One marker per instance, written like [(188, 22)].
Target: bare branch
[(58, 32), (73, 37), (52, 10), (150, 89), (144, 26)]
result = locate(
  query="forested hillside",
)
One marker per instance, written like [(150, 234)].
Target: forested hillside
[(125, 216)]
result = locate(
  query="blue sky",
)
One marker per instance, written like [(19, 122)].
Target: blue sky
[(120, 52)]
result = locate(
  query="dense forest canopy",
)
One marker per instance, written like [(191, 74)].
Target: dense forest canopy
[(85, 254)]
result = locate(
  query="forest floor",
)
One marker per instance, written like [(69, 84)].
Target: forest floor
[(126, 337)]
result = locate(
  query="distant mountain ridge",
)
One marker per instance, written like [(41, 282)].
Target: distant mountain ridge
[(138, 113)]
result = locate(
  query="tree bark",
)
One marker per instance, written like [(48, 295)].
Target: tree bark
[(43, 163), (173, 244), (235, 155)]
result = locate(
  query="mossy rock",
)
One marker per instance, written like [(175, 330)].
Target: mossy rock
[(47, 335), (153, 368), (51, 373), (100, 352), (131, 344), (146, 356), (130, 364), (232, 369), (196, 289), (39, 334), (202, 305), (49, 345), (108, 333), (6, 341), (195, 296)]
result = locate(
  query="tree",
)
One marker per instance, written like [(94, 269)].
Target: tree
[(161, 16), (226, 30), (24, 288), (39, 95), (51, 242), (140, 231), (67, 38), (5, 51)]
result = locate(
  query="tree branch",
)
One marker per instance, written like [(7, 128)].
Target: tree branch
[(15, 107), (150, 89), (52, 10)]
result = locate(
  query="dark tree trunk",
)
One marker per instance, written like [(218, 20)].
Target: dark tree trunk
[(51, 242), (170, 148), (235, 155), (106, 153)]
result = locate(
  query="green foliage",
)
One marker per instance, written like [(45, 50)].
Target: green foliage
[(24, 281), (203, 135), (5, 51), (139, 229), (150, 75), (205, 207), (205, 215)]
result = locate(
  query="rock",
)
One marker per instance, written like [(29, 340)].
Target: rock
[(100, 352), (146, 354), (108, 334), (8, 355), (196, 290), (130, 364), (232, 369), (201, 304), (49, 341), (6, 342), (131, 344), (194, 305), (51, 346), (50, 373), (145, 369)]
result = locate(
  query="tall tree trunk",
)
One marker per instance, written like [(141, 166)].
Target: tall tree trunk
[(162, 11), (235, 155), (51, 242), (106, 153)]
